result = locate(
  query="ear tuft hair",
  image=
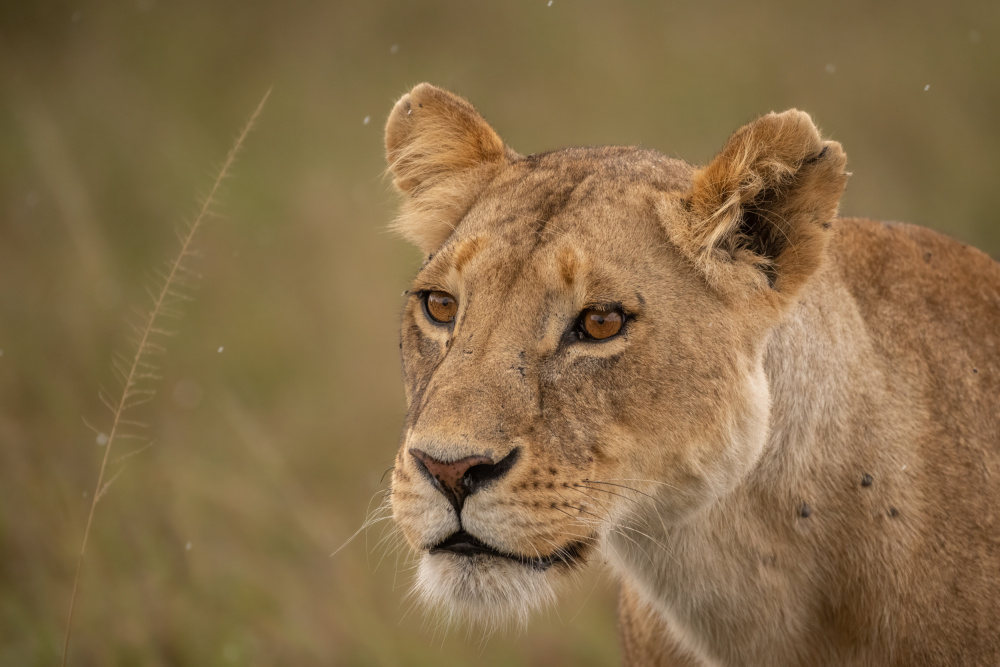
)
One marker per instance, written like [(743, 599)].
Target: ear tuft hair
[(441, 154), (761, 209)]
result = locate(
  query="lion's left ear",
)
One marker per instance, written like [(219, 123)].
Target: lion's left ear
[(759, 213), (441, 153)]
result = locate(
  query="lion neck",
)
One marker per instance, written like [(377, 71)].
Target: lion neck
[(738, 576)]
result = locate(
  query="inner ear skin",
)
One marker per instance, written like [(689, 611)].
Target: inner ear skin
[(761, 234), (761, 207), (761, 223), (787, 221)]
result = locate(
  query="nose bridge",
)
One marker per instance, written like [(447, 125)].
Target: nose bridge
[(482, 391)]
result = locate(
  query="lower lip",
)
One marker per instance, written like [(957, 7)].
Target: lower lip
[(469, 548)]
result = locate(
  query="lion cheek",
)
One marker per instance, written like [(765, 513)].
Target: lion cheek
[(748, 432), (704, 456)]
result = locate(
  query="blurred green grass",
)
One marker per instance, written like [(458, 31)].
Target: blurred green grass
[(113, 116)]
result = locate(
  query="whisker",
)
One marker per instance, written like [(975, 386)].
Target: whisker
[(609, 492), (393, 533), (648, 481), (366, 524), (622, 486), (600, 502), (651, 538)]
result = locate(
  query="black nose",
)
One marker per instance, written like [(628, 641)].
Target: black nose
[(459, 479)]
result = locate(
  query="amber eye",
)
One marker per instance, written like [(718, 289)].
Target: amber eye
[(601, 324), (441, 307)]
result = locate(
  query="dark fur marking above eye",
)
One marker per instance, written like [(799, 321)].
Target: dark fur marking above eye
[(551, 207), (556, 201), (537, 157)]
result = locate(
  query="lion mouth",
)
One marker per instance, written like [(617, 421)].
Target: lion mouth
[(467, 545)]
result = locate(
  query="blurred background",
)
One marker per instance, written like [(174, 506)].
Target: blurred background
[(280, 402)]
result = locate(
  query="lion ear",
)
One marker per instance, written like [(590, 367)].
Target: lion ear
[(441, 154), (759, 213)]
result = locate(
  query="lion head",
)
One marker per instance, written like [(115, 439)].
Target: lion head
[(582, 348)]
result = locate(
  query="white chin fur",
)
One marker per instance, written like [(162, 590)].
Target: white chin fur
[(482, 591)]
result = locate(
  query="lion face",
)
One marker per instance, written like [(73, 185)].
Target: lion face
[(573, 371)]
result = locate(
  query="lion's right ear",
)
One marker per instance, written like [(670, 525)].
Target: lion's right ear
[(441, 153)]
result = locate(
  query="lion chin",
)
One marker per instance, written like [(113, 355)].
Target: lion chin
[(473, 584), (483, 591)]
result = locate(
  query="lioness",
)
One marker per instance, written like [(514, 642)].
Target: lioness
[(780, 428)]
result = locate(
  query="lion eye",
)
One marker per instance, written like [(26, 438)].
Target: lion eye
[(601, 324), (440, 307)]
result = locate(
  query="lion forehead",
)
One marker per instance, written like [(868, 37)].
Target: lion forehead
[(553, 211)]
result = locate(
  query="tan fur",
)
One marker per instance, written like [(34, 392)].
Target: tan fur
[(789, 456), (441, 152)]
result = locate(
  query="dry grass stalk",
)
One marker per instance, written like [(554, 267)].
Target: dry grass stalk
[(140, 369)]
